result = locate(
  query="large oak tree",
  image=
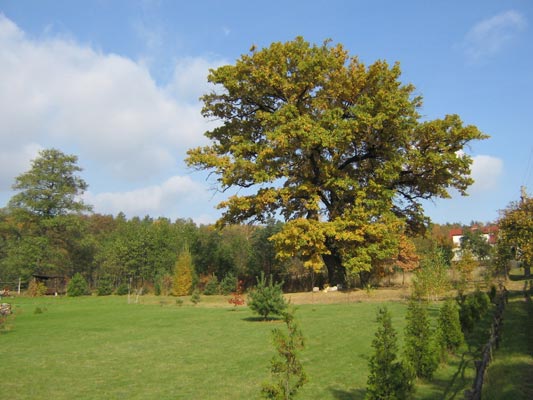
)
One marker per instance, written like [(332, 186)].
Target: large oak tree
[(337, 148)]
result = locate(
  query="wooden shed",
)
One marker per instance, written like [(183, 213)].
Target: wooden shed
[(54, 284)]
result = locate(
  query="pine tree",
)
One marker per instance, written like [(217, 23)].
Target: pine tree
[(389, 379), (183, 275), (267, 298), (287, 371), (77, 286), (419, 341), (450, 335)]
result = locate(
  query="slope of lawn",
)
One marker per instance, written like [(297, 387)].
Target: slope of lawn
[(105, 348)]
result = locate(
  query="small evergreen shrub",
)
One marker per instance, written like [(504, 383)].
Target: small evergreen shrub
[(105, 286), (211, 287), (267, 297), (449, 333), (419, 341), (389, 379), (288, 375), (195, 297), (482, 302), (467, 314), (473, 308), (228, 284), (122, 289), (77, 286)]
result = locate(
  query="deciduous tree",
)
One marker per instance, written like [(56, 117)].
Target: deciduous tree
[(474, 240), (516, 232), (336, 147)]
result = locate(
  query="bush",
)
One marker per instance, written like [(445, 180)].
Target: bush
[(236, 298), (36, 289), (77, 286), (105, 286), (482, 302), (473, 308), (467, 314), (419, 341), (195, 297), (389, 379), (211, 286), (228, 284), (450, 335), (122, 289), (267, 298)]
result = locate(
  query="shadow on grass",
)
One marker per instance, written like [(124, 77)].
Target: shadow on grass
[(502, 383), (354, 394), (454, 384), (261, 319), (517, 274), (509, 376)]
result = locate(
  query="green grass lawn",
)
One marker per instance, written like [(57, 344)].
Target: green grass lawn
[(509, 375), (104, 348)]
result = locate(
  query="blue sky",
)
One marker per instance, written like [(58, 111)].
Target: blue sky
[(117, 84)]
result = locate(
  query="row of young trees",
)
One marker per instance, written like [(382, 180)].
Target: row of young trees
[(424, 346)]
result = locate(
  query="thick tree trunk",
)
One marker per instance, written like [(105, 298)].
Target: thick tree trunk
[(364, 277), (336, 272)]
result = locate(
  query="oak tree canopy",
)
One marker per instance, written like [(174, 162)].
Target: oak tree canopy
[(337, 148)]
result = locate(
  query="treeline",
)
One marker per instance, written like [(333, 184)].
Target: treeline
[(143, 252), (46, 229)]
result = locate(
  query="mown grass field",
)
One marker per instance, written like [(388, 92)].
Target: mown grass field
[(105, 348), (509, 375)]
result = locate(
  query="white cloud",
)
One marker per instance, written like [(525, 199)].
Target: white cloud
[(13, 161), (56, 92), (157, 200), (486, 172), (492, 35), (189, 80)]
